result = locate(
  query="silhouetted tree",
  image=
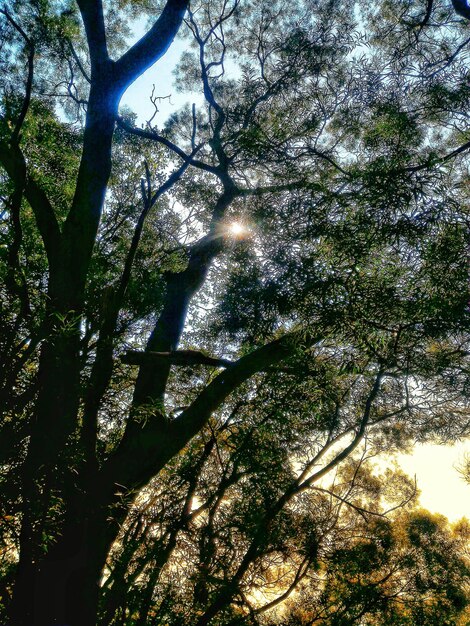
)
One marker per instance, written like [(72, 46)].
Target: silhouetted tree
[(134, 319)]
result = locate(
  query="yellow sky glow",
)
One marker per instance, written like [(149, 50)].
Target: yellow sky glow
[(442, 488)]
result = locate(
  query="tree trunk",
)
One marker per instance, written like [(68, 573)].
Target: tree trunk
[(63, 587), (60, 586)]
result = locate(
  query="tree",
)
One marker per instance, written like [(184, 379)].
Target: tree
[(409, 571), (332, 556), (338, 141)]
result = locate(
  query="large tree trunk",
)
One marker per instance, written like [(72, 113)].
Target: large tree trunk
[(63, 587), (61, 561), (53, 422), (54, 468)]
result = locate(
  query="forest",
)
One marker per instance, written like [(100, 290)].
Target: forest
[(218, 329)]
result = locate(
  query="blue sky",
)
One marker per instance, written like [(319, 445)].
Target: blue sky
[(137, 97)]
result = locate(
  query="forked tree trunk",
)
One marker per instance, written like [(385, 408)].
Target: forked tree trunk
[(59, 584)]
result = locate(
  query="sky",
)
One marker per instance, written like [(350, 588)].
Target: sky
[(442, 488), (160, 75)]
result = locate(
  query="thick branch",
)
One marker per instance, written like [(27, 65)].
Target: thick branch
[(360, 432), (443, 159), (151, 445), (103, 366), (16, 26), (29, 81), (427, 15), (79, 63), (15, 276), (152, 45), (27, 97), (81, 225), (213, 396), (109, 79), (261, 191), (180, 288), (175, 357), (461, 7), (302, 571), (93, 20)]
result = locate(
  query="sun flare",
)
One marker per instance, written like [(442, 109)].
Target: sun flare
[(237, 229)]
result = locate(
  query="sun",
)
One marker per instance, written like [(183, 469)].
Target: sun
[(237, 229)]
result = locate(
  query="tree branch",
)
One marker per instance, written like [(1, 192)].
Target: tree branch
[(93, 20), (212, 397), (451, 155), (29, 80), (16, 26), (260, 191), (15, 277), (27, 97), (79, 62), (302, 571), (13, 161), (153, 136), (152, 45), (302, 486), (103, 366), (144, 451), (175, 357), (225, 596), (461, 7), (180, 288), (427, 16)]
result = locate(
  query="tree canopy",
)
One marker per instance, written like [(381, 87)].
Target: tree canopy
[(211, 326)]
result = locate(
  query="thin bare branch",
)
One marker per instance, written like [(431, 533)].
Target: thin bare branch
[(79, 63), (154, 136)]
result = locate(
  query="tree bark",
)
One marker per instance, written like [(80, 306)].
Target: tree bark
[(56, 413), (63, 588)]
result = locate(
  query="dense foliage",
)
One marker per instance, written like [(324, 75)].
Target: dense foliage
[(211, 326)]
